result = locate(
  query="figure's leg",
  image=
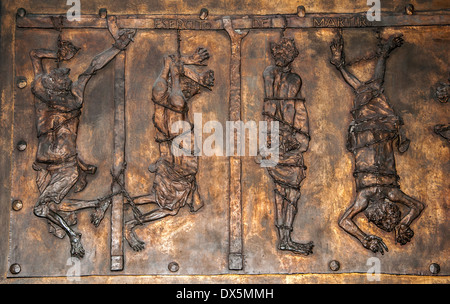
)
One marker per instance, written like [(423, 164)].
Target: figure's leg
[(101, 206), (153, 215), (72, 205), (61, 181), (293, 197), (42, 210), (279, 214)]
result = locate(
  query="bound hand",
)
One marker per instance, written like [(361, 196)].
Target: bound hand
[(375, 244)]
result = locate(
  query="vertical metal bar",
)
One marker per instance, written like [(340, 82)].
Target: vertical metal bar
[(235, 257), (117, 220)]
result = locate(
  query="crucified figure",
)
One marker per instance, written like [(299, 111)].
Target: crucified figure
[(58, 104), (175, 182), (372, 134)]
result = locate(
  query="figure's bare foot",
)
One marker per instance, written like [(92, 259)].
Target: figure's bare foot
[(99, 212), (305, 249), (77, 249), (133, 241)]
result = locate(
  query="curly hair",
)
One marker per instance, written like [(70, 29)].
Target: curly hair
[(285, 51), (383, 213)]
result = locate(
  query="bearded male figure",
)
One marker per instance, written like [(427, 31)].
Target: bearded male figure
[(284, 104)]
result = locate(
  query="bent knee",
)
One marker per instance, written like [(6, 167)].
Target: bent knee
[(173, 211)]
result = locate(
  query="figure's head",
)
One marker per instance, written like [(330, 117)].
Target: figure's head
[(189, 87), (443, 92), (284, 52), (383, 213), (66, 50), (57, 81)]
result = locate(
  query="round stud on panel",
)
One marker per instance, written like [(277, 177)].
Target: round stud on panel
[(203, 14), (301, 11), (409, 9), (435, 268), (21, 12), (21, 145), (103, 13), (21, 82), (334, 265), (174, 267), (15, 268), (17, 205)]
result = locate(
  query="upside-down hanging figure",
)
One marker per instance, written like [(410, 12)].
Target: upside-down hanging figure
[(373, 134), (175, 182)]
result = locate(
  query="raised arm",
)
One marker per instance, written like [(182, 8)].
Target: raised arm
[(97, 63), (338, 60), (36, 58), (122, 39), (392, 43)]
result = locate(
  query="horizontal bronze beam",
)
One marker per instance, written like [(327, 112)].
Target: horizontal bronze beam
[(193, 22)]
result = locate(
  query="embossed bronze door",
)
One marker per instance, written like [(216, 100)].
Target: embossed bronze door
[(95, 186)]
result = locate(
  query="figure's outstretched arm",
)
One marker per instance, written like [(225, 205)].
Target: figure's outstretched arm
[(349, 78), (338, 60), (36, 58), (97, 63), (392, 43), (122, 39)]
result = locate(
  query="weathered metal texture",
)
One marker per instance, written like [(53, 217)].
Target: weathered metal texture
[(234, 233)]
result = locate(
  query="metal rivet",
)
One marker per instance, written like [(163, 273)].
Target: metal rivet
[(174, 267), (21, 12), (203, 13), (435, 268), (15, 268), (17, 205), (409, 9), (21, 145), (21, 82), (103, 13), (334, 265), (301, 11)]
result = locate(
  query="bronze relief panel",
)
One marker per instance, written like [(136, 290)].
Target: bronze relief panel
[(100, 165)]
